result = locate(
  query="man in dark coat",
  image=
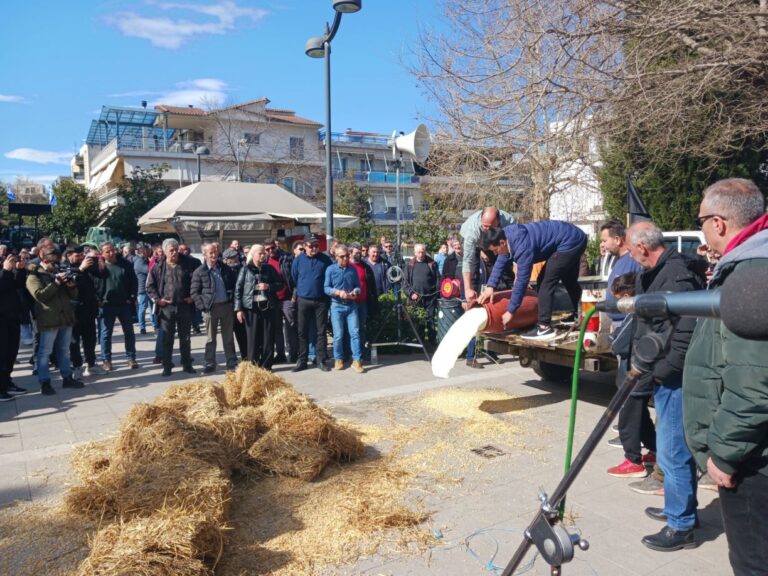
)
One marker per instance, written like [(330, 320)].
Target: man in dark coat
[(420, 285), (12, 280), (725, 381), (666, 270), (169, 284)]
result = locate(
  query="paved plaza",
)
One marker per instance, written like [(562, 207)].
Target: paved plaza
[(479, 521)]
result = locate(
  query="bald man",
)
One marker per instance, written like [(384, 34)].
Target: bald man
[(471, 230)]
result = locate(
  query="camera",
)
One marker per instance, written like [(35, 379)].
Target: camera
[(259, 296)]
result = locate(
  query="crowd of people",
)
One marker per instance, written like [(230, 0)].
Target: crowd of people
[(274, 306)]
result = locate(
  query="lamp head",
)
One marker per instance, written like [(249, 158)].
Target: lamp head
[(347, 6), (202, 151), (189, 147), (315, 47)]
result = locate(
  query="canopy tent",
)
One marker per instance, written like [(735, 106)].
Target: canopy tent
[(232, 206)]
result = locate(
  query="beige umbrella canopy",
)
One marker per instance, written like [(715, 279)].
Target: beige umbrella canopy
[(233, 206)]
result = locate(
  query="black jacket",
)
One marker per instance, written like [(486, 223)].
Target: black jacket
[(11, 284), (452, 266), (116, 284), (202, 285), (156, 279), (421, 278), (672, 273), (245, 288), (87, 303)]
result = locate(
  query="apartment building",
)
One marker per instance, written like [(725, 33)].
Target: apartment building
[(365, 158), (248, 142)]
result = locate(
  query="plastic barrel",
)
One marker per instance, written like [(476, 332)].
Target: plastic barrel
[(448, 311)]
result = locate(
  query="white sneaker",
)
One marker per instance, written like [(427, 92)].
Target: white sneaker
[(94, 370), (77, 373)]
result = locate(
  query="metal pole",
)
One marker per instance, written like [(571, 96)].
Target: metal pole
[(328, 168), (397, 208), (198, 167)]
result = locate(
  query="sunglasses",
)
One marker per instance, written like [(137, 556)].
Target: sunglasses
[(701, 219)]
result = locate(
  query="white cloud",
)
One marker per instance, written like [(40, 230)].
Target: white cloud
[(11, 98), (39, 156), (196, 92), (171, 33)]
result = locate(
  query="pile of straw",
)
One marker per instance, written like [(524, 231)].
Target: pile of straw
[(165, 481)]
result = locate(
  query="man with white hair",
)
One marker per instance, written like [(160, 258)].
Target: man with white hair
[(665, 270), (420, 285), (169, 286)]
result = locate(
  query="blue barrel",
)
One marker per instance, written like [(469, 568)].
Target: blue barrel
[(448, 311)]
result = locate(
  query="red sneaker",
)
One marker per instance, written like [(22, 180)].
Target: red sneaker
[(628, 469), (648, 458)]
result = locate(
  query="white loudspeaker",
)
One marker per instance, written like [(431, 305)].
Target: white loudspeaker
[(416, 143)]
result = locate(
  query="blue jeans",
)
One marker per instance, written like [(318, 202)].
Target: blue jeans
[(144, 303), (343, 318), (362, 316), (675, 459), (110, 313), (54, 340), (471, 349)]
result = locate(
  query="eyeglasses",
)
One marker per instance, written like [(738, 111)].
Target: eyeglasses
[(301, 249), (314, 246), (701, 219)]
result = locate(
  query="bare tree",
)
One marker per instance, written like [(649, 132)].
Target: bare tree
[(547, 79), (509, 91)]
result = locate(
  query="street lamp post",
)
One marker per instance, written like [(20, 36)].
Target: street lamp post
[(319, 47), (197, 151)]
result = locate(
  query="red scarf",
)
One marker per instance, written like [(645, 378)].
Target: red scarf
[(756, 226)]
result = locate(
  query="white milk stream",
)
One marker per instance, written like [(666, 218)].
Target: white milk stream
[(456, 340)]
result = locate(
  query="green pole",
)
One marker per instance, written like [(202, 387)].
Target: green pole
[(574, 397)]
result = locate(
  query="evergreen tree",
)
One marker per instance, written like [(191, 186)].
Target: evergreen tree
[(141, 192), (75, 211)]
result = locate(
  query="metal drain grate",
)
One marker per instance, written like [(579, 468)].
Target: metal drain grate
[(488, 451)]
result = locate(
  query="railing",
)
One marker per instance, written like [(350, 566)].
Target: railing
[(378, 216), (148, 144), (375, 176), (354, 138)]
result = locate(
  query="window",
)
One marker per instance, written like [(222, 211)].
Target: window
[(251, 138), (297, 148)]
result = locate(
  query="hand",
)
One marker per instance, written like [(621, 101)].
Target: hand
[(414, 296), (163, 302), (188, 300), (486, 295), (240, 316), (470, 294), (721, 478), (343, 294), (87, 263), (262, 286), (8, 264), (506, 318)]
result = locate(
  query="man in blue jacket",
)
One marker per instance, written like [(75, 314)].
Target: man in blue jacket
[(560, 244), (308, 273)]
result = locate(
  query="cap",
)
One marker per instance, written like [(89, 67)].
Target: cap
[(74, 250), (229, 253), (311, 239)]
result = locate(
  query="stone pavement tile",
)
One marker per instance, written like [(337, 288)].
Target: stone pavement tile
[(13, 483), (48, 478), (94, 427), (10, 442), (57, 436)]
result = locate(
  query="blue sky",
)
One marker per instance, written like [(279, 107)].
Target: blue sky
[(61, 61)]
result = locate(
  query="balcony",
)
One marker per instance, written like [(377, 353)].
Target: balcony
[(376, 176), (355, 138)]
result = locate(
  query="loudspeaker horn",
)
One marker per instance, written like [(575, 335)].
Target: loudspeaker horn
[(416, 143)]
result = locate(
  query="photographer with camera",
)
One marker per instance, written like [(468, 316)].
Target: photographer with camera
[(82, 270), (53, 291), (255, 303)]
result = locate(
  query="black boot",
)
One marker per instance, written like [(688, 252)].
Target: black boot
[(669, 540), (46, 389), (70, 382)]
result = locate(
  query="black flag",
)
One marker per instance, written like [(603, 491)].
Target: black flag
[(637, 210)]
